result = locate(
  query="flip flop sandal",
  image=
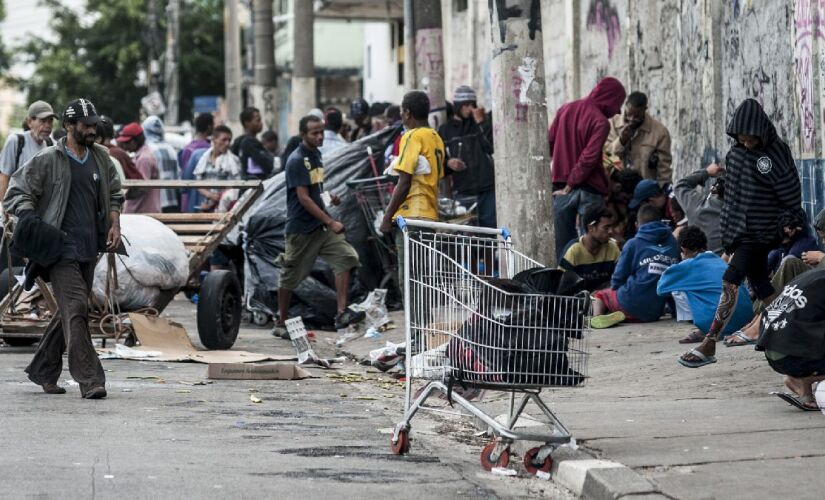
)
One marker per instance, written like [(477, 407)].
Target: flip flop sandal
[(703, 359), (801, 403), (693, 337), (739, 334)]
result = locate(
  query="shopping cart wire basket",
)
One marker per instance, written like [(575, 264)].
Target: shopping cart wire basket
[(476, 319)]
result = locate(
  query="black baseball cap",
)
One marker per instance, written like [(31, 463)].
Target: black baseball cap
[(81, 110)]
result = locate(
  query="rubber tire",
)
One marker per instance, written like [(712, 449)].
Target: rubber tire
[(219, 310), (503, 459), (532, 469), (402, 446)]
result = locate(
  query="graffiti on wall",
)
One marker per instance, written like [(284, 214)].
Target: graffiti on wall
[(807, 29), (602, 16)]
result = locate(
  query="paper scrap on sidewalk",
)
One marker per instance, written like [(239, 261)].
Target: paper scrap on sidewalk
[(267, 371), (501, 471), (164, 340), (255, 399)]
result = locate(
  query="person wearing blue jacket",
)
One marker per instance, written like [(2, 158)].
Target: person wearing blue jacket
[(696, 284), (632, 294)]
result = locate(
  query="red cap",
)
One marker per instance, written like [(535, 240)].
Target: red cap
[(129, 132)]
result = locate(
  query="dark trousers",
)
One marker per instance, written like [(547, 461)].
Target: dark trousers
[(69, 330)]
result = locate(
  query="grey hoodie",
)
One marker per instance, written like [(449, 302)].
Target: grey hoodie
[(702, 208)]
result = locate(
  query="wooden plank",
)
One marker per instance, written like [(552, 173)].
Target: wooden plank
[(187, 218), (194, 239), (190, 184), (196, 228)]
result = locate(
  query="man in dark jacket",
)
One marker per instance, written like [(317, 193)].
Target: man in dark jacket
[(468, 137), (576, 137), (761, 187), (73, 187), (256, 161)]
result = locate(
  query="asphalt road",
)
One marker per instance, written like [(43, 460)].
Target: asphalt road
[(158, 436)]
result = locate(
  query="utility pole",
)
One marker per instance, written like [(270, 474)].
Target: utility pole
[(429, 57), (303, 62), (171, 74), (263, 92), (151, 34), (409, 47), (524, 199), (232, 64)]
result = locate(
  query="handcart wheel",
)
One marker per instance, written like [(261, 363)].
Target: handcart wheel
[(531, 467), (402, 446), (486, 457)]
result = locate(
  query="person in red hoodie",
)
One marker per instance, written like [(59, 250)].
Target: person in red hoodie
[(576, 137)]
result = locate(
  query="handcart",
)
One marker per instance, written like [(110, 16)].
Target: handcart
[(373, 196), (219, 307), (473, 326)]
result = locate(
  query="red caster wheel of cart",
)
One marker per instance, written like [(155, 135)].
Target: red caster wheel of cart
[(486, 457), (531, 468), (402, 446)]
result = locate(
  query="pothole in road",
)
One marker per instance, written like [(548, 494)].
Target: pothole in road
[(367, 452), (345, 475)]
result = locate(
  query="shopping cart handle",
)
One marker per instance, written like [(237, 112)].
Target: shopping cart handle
[(505, 233), (400, 222)]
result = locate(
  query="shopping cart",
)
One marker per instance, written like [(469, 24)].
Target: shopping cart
[(473, 322), (373, 195)]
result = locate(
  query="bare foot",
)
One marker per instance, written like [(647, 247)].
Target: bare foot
[(795, 385)]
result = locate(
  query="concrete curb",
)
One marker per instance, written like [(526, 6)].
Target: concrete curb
[(592, 478)]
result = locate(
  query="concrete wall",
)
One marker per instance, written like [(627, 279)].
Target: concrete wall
[(467, 49), (380, 71)]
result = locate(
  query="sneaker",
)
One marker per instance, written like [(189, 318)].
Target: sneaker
[(607, 320), (279, 330), (348, 317), (53, 389), (95, 393)]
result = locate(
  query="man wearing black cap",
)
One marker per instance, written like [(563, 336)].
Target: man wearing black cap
[(72, 191), (468, 138), (359, 111), (20, 147)]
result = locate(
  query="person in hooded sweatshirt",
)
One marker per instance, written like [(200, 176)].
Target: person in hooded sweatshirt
[(644, 258), (577, 136), (761, 187)]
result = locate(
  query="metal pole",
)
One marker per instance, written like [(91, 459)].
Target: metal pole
[(303, 64), (232, 64), (263, 92), (171, 80), (429, 57)]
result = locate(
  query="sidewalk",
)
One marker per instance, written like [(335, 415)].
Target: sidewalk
[(711, 432)]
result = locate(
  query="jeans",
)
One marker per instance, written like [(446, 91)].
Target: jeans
[(69, 330), (485, 208), (565, 210)]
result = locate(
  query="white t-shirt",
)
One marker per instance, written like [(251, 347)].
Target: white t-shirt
[(9, 153)]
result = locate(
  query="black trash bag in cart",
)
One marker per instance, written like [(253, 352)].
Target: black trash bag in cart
[(520, 336)]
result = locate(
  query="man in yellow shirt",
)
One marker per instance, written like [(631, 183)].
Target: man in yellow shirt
[(416, 194)]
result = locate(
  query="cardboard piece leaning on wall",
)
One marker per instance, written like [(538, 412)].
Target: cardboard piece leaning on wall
[(268, 371)]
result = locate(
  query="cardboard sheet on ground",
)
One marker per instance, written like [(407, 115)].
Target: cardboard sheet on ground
[(168, 341)]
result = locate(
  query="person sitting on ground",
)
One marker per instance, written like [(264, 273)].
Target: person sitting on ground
[(696, 283), (702, 205), (792, 335), (632, 293), (791, 268), (797, 239), (593, 256), (310, 231), (761, 183), (647, 192), (680, 220), (622, 185)]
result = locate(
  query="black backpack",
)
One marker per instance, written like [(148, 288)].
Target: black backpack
[(21, 141)]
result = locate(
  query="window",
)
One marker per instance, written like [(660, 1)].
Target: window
[(369, 61), (460, 5)]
